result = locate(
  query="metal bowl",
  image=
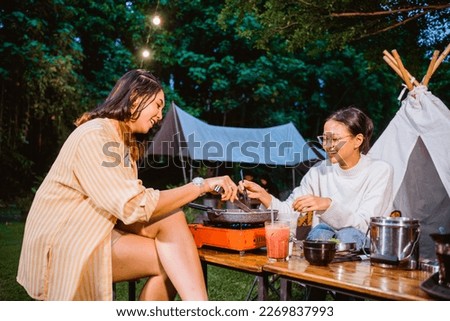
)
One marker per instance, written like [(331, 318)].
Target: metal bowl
[(319, 252), (346, 247), (320, 244), (429, 266)]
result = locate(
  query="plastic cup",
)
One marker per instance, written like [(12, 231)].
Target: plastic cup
[(277, 240)]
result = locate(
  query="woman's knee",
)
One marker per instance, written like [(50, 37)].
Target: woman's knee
[(352, 235), (168, 222), (321, 232)]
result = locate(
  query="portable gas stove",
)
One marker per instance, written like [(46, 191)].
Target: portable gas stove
[(232, 236)]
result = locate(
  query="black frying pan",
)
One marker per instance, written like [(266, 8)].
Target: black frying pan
[(235, 215)]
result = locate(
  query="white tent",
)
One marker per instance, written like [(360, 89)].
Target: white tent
[(417, 144), (182, 134)]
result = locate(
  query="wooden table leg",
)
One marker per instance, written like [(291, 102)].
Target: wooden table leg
[(205, 273), (132, 290), (263, 286), (285, 289)]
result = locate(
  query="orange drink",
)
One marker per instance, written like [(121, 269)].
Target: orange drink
[(277, 240)]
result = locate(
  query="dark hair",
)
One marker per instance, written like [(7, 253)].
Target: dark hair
[(137, 86), (357, 122), (133, 85)]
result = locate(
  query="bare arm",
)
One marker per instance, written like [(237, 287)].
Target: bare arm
[(174, 198)]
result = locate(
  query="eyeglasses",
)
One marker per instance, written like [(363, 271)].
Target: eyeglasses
[(330, 141)]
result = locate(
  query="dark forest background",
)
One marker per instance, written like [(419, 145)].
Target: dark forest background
[(232, 63)]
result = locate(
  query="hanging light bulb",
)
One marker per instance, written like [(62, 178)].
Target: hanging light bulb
[(145, 53), (156, 20)]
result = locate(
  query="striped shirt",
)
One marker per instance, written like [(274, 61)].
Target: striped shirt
[(66, 251)]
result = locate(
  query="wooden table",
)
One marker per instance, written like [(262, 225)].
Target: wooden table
[(251, 262), (357, 278)]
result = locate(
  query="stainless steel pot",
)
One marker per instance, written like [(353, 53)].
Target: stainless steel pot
[(235, 215), (394, 242)]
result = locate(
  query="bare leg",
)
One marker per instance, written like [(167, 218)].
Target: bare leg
[(177, 253), (135, 257)]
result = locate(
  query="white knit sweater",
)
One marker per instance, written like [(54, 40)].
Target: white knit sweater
[(357, 194)]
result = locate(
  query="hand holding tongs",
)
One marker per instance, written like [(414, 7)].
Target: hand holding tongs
[(237, 202), (245, 191)]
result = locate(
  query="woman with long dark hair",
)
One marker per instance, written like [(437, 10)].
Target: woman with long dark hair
[(92, 222)]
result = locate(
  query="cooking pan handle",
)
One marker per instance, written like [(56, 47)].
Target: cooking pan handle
[(200, 207), (208, 209)]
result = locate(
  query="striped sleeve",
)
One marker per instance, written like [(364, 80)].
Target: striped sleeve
[(109, 180)]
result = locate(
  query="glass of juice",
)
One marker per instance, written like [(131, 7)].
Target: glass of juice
[(277, 240)]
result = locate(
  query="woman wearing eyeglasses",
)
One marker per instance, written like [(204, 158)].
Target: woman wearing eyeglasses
[(345, 190)]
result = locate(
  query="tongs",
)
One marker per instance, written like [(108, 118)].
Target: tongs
[(218, 189), (245, 191)]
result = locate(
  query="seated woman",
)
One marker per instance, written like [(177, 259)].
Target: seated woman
[(92, 222), (345, 190)]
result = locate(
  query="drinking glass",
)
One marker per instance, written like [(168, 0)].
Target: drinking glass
[(277, 240)]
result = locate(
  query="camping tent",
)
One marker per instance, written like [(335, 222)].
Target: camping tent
[(416, 142), (183, 135)]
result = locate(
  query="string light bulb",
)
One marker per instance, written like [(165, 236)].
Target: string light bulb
[(145, 53), (156, 20)]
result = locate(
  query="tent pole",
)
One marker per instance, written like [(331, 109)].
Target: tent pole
[(293, 178), (180, 149)]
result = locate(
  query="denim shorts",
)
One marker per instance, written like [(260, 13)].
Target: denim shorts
[(324, 232)]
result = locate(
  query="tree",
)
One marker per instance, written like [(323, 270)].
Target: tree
[(219, 76), (338, 22), (226, 80), (333, 33), (39, 86), (109, 33), (58, 60)]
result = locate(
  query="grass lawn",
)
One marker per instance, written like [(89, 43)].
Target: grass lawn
[(10, 244), (223, 284)]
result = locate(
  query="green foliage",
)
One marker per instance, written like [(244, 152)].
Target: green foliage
[(219, 75), (39, 85), (254, 63), (338, 23), (58, 60)]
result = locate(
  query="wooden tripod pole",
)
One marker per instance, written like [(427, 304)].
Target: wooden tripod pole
[(427, 76), (402, 69)]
